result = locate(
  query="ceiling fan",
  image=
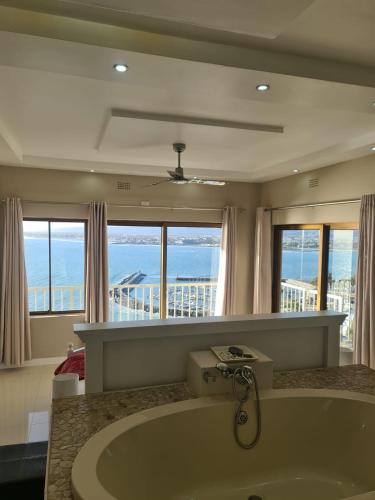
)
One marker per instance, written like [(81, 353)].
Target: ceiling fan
[(177, 176)]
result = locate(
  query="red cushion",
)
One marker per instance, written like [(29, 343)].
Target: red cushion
[(74, 364)]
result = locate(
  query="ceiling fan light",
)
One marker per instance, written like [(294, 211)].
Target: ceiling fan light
[(179, 181)]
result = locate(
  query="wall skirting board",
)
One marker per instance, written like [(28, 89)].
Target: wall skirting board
[(38, 362), (124, 355)]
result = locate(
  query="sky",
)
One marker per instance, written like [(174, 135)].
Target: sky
[(69, 227)]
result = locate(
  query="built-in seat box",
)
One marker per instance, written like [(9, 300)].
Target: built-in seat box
[(205, 380)]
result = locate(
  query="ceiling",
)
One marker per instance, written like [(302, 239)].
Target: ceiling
[(63, 106)]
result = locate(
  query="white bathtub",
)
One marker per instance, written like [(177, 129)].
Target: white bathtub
[(315, 445)]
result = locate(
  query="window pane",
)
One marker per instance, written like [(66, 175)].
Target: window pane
[(134, 272), (299, 270), (67, 266), (192, 270), (342, 262), (37, 264)]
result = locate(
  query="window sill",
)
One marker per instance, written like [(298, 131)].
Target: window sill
[(58, 315)]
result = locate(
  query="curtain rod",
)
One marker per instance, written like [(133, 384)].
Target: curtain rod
[(312, 205), (123, 206)]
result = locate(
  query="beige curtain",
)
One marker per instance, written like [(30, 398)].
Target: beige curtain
[(15, 341), (97, 295), (225, 294), (262, 302), (364, 346)]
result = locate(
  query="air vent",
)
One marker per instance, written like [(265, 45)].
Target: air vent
[(123, 186), (313, 183)]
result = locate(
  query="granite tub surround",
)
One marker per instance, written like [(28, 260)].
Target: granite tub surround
[(355, 378), (76, 419)]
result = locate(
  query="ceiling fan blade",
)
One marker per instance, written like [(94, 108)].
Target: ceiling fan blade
[(207, 182), (173, 174)]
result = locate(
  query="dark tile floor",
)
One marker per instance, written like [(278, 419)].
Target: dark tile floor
[(22, 471)]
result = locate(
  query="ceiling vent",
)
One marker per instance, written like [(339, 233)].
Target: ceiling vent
[(123, 186), (313, 183)]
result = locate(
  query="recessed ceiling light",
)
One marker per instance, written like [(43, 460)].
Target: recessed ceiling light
[(295, 170), (121, 68), (263, 87), (373, 103), (373, 148), (92, 170)]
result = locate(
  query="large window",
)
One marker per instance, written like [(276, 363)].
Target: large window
[(314, 269), (55, 265), (134, 256), (162, 270)]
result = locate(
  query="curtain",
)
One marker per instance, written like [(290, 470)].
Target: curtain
[(364, 346), (97, 295), (225, 294), (262, 302), (15, 340)]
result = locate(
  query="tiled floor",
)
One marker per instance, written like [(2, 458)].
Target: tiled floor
[(25, 403)]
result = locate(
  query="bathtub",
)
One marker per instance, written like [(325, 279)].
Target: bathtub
[(315, 445)]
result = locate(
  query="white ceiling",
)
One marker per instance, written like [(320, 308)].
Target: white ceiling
[(265, 19), (61, 103)]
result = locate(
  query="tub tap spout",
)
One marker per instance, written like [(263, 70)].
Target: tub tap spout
[(225, 370)]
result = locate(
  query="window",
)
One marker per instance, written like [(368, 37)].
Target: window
[(299, 270), (134, 258), (342, 263), (192, 270), (55, 265), (314, 269), (159, 270)]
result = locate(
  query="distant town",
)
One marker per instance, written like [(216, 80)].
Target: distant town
[(293, 240), (137, 239)]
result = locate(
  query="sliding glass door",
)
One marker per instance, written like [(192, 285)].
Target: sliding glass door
[(162, 270), (299, 270), (315, 269), (342, 263), (134, 259), (192, 270)]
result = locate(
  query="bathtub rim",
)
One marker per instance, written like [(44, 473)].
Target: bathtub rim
[(84, 481)]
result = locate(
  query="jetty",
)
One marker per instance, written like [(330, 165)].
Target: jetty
[(193, 279), (133, 279)]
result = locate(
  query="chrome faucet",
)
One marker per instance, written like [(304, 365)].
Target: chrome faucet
[(225, 370), (243, 374)]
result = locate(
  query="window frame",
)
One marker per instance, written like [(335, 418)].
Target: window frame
[(51, 312), (164, 225), (324, 235)]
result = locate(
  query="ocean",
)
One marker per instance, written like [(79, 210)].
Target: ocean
[(67, 258), (183, 260)]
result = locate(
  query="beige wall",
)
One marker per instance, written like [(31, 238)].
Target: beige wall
[(342, 181), (50, 335)]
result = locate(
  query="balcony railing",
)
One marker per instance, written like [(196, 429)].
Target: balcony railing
[(340, 298), (132, 301), (197, 299)]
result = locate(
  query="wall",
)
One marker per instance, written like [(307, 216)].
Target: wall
[(342, 181), (292, 340), (42, 185)]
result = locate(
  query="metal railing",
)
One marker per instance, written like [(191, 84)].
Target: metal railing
[(340, 298), (132, 301), (196, 299)]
